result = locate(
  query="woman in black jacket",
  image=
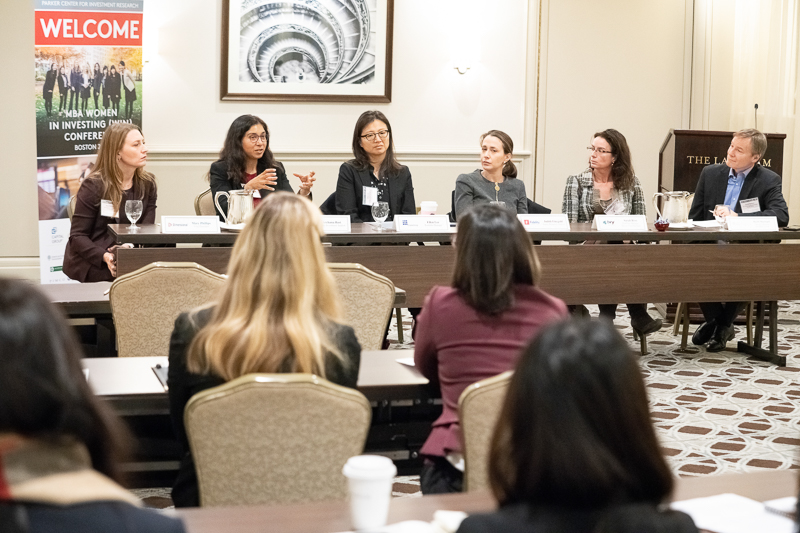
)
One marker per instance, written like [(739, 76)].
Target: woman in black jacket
[(246, 162)]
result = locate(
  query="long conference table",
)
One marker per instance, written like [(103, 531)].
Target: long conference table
[(695, 265), (335, 516)]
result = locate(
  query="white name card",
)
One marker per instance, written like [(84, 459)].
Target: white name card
[(336, 224), (181, 224), (751, 223), (421, 223), (557, 222), (620, 223)]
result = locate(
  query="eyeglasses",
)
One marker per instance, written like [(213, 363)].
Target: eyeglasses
[(371, 136), (598, 150), (253, 138)]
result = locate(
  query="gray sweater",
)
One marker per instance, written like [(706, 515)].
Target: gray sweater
[(473, 189)]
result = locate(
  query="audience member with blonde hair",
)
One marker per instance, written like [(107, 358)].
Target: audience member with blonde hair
[(278, 312), (118, 176)]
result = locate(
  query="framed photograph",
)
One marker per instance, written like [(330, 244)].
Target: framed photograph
[(307, 50)]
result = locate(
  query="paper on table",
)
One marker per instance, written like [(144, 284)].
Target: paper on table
[(731, 513), (706, 223), (443, 522), (408, 361)]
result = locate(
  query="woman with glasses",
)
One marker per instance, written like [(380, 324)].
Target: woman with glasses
[(495, 182), (374, 175), (246, 162), (609, 187)]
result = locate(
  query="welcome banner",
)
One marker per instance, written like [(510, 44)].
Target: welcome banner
[(88, 74)]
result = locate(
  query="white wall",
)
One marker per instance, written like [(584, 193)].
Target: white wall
[(614, 64), (549, 81)]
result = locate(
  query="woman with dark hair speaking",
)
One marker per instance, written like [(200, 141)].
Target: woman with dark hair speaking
[(246, 162), (609, 186), (476, 328), (374, 175), (60, 447), (574, 449), (495, 182)]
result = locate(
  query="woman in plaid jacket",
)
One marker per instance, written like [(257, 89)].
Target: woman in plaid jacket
[(609, 186)]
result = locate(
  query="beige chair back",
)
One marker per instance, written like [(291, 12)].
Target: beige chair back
[(146, 302), (71, 206), (275, 438), (204, 204), (368, 300), (478, 410)]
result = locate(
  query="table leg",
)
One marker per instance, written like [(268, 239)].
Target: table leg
[(755, 350)]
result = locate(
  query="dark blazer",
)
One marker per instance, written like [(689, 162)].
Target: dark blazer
[(760, 183), (350, 193), (75, 80), (520, 518), (63, 83), (92, 517), (184, 384), (49, 81), (218, 177), (88, 236)]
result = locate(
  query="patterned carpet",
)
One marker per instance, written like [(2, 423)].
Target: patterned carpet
[(714, 413), (717, 413)]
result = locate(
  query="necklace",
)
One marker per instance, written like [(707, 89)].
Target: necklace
[(496, 192)]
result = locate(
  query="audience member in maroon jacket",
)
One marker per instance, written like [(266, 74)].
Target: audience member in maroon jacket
[(477, 328)]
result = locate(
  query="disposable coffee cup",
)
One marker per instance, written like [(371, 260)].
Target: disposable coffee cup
[(369, 479), (428, 208)]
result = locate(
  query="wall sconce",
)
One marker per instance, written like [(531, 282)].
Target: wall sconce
[(465, 31)]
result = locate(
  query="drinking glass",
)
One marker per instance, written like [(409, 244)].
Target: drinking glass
[(133, 209), (380, 211)]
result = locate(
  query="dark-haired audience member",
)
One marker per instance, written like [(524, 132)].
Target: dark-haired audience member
[(374, 171), (118, 176), (476, 328), (60, 447), (574, 447), (495, 181), (609, 186), (279, 311), (246, 162)]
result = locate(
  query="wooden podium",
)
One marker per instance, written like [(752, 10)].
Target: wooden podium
[(684, 153)]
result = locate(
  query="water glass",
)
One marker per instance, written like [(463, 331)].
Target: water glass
[(133, 209), (380, 211)]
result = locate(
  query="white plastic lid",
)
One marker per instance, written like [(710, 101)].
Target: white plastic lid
[(369, 467)]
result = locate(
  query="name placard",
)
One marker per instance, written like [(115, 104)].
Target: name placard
[(620, 223), (557, 222), (751, 223), (421, 223), (336, 224), (186, 224)]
